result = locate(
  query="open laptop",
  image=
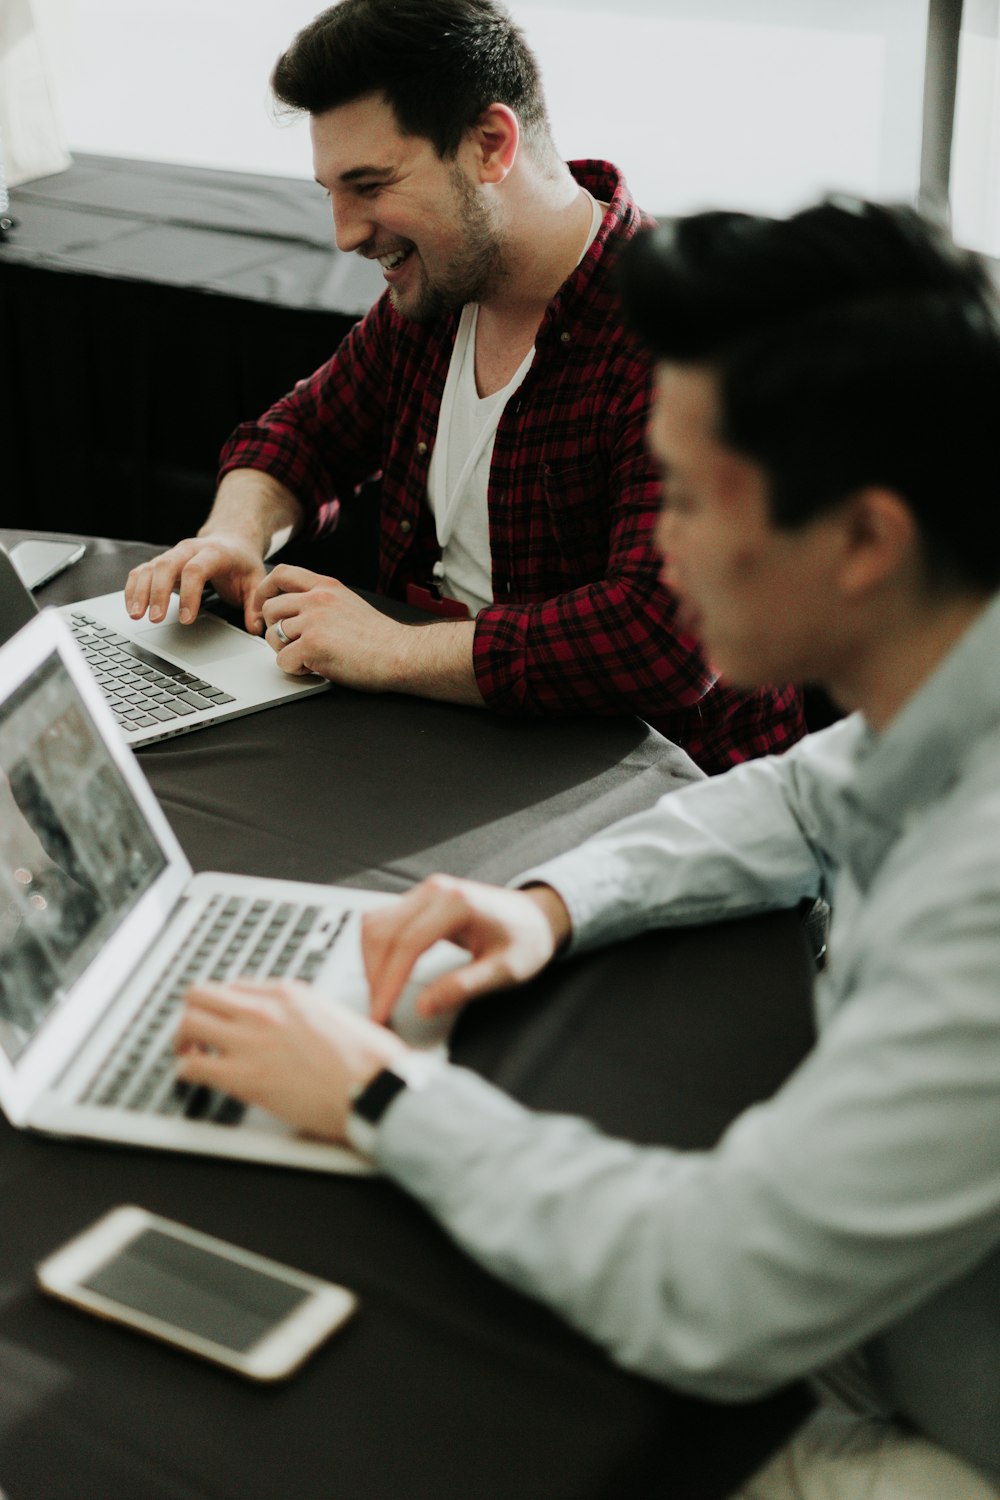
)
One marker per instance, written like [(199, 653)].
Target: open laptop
[(103, 927), (164, 679)]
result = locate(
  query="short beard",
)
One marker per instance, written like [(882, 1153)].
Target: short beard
[(476, 269)]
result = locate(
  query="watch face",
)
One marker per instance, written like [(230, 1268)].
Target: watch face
[(375, 1098)]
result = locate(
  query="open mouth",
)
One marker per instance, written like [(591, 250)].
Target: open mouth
[(394, 260)]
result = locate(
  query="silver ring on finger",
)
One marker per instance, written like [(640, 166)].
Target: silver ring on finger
[(279, 631)]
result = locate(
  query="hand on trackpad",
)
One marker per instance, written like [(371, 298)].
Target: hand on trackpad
[(205, 640)]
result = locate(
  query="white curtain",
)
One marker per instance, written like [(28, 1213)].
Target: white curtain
[(975, 166), (31, 140)]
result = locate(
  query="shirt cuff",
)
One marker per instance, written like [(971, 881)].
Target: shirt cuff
[(417, 1070), (597, 910), (430, 1136)]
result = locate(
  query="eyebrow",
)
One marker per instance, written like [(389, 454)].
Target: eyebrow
[(354, 173)]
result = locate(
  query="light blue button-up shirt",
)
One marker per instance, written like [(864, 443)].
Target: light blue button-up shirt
[(860, 1206)]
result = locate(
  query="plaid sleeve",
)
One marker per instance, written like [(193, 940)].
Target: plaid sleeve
[(325, 436), (610, 646)]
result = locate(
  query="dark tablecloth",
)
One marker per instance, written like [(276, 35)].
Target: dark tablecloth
[(446, 1384)]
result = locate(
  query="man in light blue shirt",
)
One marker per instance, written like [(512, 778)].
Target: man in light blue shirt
[(826, 414)]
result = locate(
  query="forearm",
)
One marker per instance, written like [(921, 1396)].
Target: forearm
[(728, 846), (257, 508), (435, 661)]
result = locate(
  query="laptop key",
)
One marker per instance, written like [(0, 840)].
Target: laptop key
[(198, 1102), (228, 1111)]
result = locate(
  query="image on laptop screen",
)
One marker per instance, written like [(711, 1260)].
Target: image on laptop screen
[(76, 853)]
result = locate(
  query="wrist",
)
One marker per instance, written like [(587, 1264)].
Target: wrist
[(371, 1097), (434, 658), (554, 910)]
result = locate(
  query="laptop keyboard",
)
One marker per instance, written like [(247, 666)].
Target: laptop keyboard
[(234, 937), (142, 688)]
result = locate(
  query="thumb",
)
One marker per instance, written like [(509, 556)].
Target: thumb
[(451, 991)]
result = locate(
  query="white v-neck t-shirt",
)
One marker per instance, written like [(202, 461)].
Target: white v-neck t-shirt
[(459, 474)]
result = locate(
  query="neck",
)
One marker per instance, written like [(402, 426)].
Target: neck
[(903, 654), (548, 218)]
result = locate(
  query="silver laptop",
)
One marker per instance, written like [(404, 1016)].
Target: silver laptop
[(164, 679), (103, 927)]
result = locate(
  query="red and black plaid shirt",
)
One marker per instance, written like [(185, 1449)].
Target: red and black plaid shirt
[(580, 622)]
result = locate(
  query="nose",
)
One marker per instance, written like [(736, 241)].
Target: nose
[(351, 229)]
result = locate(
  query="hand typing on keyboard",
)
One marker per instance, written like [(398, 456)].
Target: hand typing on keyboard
[(283, 1048)]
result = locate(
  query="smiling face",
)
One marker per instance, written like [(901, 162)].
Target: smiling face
[(765, 602), (395, 200)]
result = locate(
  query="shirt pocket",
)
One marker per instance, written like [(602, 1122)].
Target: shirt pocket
[(576, 501)]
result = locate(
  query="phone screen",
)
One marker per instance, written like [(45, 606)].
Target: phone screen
[(195, 1290)]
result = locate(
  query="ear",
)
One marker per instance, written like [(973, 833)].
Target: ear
[(496, 136), (881, 540)]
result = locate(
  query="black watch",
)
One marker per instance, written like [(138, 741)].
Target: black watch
[(374, 1099), (371, 1100)]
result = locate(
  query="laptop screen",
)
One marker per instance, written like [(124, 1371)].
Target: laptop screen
[(76, 852)]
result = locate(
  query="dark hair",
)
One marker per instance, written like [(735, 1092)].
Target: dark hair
[(854, 345), (439, 63)]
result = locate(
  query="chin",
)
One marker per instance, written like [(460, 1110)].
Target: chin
[(738, 672)]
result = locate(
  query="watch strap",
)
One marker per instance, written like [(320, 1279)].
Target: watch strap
[(371, 1100)]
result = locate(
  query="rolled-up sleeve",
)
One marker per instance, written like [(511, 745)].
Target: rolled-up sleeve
[(325, 436)]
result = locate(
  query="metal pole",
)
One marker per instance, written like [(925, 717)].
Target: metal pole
[(944, 24)]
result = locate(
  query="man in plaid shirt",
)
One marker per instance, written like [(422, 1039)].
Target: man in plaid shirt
[(494, 390)]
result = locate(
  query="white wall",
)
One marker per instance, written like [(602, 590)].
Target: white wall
[(762, 104)]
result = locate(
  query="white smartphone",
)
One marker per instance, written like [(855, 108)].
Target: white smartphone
[(37, 562), (251, 1314)]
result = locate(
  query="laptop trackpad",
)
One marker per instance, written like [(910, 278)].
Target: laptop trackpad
[(205, 640)]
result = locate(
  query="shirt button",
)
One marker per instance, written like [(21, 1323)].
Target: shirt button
[(421, 449), (565, 337), (406, 527)]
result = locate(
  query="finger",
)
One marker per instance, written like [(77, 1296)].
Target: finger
[(201, 1028), (267, 997), (208, 1068), (137, 591), (282, 622), (453, 990), (149, 583), (381, 934), (256, 612), (252, 617), (228, 1001), (294, 661), (383, 928), (285, 579), (193, 578), (166, 571), (411, 938)]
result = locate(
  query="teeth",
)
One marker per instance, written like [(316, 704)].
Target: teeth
[(389, 262)]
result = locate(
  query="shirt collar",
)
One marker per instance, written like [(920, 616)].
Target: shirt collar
[(902, 771), (621, 221)]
